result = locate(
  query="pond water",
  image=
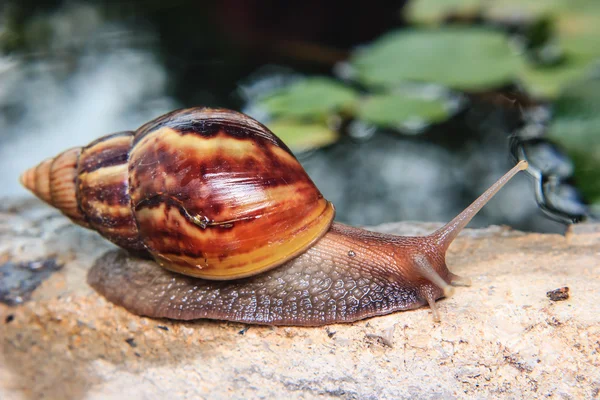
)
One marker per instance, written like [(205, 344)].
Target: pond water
[(80, 71)]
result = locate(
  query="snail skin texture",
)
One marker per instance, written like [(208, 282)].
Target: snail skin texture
[(241, 231)]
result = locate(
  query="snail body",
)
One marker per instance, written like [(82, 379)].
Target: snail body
[(241, 231)]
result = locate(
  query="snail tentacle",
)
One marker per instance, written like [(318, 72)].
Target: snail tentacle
[(456, 280)]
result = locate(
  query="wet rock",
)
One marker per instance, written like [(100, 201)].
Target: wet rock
[(502, 337), (18, 280)]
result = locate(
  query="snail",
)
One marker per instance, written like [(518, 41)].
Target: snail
[(241, 231)]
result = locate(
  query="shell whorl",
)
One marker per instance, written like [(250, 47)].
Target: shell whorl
[(218, 196), (103, 189), (90, 186), (54, 180)]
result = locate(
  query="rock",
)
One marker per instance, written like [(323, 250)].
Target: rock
[(502, 337)]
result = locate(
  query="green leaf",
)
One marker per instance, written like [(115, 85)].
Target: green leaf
[(310, 98), (403, 112), (461, 58), (576, 31), (509, 9), (576, 127), (301, 136), (546, 82), (435, 11)]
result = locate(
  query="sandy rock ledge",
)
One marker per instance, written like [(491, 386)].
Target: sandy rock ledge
[(502, 337)]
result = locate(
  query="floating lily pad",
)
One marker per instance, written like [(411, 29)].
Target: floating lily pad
[(576, 32), (301, 136), (310, 98), (576, 127), (436, 11), (405, 113), (520, 9), (546, 82), (461, 58), (578, 37), (515, 9)]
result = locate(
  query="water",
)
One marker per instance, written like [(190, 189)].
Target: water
[(94, 75)]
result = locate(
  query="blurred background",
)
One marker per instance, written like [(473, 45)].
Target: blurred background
[(399, 110)]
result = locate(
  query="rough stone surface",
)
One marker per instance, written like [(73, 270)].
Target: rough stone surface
[(502, 337)]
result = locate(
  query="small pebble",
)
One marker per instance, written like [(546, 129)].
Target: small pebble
[(386, 337), (559, 294)]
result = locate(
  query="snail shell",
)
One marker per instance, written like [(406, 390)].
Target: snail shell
[(208, 193), (213, 194)]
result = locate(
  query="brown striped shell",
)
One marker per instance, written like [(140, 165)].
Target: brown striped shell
[(208, 193)]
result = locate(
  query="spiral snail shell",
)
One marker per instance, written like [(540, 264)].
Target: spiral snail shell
[(212, 195)]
